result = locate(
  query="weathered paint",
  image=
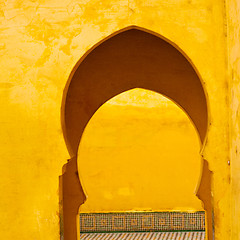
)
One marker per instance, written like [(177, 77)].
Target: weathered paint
[(40, 43)]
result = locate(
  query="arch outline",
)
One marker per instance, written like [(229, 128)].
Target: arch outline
[(72, 150)]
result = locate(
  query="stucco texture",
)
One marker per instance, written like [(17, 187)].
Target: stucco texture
[(234, 76), (40, 43)]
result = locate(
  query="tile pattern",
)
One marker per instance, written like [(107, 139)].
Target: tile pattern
[(146, 235), (142, 222)]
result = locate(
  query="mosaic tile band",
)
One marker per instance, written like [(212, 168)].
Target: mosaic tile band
[(142, 222), (147, 235)]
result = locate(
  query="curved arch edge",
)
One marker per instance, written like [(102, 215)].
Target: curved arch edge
[(72, 153)]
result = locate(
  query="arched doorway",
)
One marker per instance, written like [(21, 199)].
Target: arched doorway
[(139, 152), (139, 164), (130, 58)]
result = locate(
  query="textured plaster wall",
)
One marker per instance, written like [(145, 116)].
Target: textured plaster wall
[(40, 42), (234, 76), (140, 152)]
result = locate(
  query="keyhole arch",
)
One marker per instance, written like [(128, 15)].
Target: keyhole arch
[(133, 57), (110, 149)]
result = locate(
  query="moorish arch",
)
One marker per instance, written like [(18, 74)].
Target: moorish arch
[(130, 58)]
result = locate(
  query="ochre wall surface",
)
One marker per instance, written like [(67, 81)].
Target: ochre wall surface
[(234, 76), (140, 152), (41, 41)]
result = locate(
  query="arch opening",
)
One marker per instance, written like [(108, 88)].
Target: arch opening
[(131, 58), (139, 152)]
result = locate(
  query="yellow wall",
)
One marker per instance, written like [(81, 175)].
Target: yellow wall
[(234, 76), (40, 42), (140, 152)]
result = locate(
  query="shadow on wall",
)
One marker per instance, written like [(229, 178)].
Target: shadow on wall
[(131, 58)]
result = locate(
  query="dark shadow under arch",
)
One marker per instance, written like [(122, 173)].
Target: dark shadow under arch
[(131, 58)]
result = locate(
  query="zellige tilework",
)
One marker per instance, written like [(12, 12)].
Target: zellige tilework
[(142, 222)]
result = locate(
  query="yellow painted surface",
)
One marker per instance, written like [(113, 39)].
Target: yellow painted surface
[(41, 41), (234, 74), (140, 152)]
